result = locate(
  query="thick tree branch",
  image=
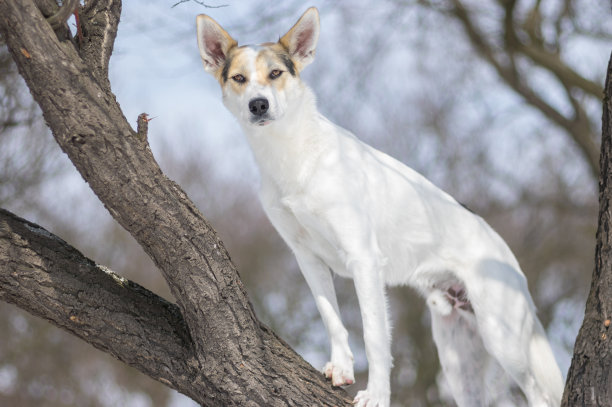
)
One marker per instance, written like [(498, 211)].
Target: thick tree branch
[(239, 358), (589, 381), (100, 20), (45, 276)]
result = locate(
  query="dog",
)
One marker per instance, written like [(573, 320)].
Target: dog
[(344, 207)]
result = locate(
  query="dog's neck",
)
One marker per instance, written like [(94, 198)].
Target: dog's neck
[(286, 149)]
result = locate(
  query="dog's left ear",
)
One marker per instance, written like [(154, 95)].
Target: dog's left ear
[(301, 40), (214, 43)]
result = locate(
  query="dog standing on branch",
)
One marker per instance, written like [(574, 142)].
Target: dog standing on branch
[(345, 208)]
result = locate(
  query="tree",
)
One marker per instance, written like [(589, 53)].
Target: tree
[(589, 381), (563, 242), (210, 346)]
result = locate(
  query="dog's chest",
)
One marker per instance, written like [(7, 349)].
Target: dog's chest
[(285, 163), (299, 220)]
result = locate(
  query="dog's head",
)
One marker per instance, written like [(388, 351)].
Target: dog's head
[(259, 82)]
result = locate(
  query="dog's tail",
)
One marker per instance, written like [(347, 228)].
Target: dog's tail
[(511, 332), (474, 377), (544, 366)]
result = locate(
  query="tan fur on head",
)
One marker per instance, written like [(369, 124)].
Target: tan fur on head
[(296, 48), (256, 64), (259, 82)]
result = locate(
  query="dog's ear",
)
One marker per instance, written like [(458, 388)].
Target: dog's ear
[(214, 43), (301, 40)]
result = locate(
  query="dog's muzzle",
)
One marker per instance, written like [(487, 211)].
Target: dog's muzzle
[(259, 106), (259, 111)]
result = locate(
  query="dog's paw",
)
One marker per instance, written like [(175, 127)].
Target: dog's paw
[(338, 374), (367, 398)]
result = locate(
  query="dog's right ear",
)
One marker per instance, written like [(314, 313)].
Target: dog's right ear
[(214, 43), (301, 40)]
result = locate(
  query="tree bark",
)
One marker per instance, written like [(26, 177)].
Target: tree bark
[(589, 381), (42, 274), (218, 353)]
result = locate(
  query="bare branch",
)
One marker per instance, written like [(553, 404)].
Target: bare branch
[(553, 63), (201, 3), (509, 73), (535, 50)]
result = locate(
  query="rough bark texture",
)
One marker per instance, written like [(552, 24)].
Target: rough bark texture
[(226, 357), (589, 381), (43, 275)]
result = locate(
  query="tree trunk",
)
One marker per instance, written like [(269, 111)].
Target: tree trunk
[(210, 346), (589, 381)]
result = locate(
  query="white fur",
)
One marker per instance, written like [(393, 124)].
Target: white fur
[(345, 207)]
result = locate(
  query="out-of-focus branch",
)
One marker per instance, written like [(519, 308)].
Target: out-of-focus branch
[(553, 63), (535, 50), (578, 126)]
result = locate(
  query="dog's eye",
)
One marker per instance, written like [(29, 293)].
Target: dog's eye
[(239, 78), (275, 73)]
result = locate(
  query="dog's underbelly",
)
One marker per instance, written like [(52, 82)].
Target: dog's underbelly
[(404, 248), (404, 258)]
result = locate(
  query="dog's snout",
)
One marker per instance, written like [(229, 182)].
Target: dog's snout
[(258, 106)]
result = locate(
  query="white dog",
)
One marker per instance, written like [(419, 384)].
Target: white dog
[(345, 207)]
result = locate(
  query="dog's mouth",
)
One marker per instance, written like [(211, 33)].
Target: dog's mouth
[(261, 121)]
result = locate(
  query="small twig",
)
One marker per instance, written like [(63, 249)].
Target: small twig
[(201, 3), (142, 125)]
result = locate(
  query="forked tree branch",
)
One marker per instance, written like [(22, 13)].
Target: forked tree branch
[(235, 360), (577, 126)]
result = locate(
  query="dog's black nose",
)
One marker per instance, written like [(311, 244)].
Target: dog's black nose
[(258, 106)]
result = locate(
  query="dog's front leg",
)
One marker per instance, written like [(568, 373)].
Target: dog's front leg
[(319, 278), (370, 288)]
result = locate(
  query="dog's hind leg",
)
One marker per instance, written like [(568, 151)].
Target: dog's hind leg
[(512, 333), (474, 377)]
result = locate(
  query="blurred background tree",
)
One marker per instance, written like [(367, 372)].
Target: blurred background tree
[(498, 102)]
